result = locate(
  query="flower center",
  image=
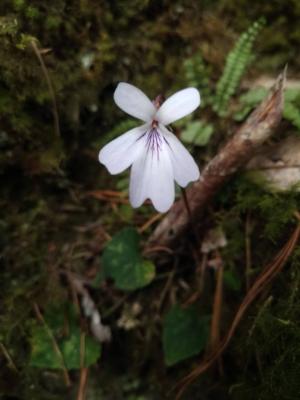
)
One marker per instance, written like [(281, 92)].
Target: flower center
[(154, 124), (154, 140)]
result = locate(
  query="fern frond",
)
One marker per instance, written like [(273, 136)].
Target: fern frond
[(236, 63)]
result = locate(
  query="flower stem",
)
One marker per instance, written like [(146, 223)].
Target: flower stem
[(188, 209)]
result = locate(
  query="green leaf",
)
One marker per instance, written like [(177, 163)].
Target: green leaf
[(185, 333), (126, 212), (42, 350), (71, 350), (292, 95), (197, 133), (292, 114), (43, 353), (253, 96), (122, 261), (249, 101)]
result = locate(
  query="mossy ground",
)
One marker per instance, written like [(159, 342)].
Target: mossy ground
[(50, 222)]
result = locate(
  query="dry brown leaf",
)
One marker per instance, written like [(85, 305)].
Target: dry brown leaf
[(278, 165)]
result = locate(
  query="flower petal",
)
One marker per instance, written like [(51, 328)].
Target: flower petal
[(185, 169), (178, 105), (152, 177), (121, 152), (134, 102)]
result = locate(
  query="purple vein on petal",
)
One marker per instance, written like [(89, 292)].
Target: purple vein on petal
[(153, 141)]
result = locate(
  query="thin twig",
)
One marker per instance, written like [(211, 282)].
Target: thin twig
[(150, 221), (82, 349), (216, 314), (82, 383), (297, 215), (50, 87), (202, 272), (190, 217), (167, 287), (116, 306), (248, 250), (196, 295), (217, 305), (156, 249), (55, 345), (8, 357), (83, 370), (266, 276)]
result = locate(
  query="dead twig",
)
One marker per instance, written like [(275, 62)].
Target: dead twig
[(108, 196), (39, 53), (10, 361), (239, 149), (265, 278), (150, 221), (54, 343), (156, 249), (167, 286), (216, 315), (248, 250), (83, 370), (82, 384), (217, 306)]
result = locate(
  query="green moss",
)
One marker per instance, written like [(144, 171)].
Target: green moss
[(273, 348), (275, 209)]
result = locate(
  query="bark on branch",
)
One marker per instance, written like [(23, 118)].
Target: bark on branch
[(239, 149)]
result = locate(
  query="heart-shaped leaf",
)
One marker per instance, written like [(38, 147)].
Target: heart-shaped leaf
[(122, 261), (185, 333), (43, 352)]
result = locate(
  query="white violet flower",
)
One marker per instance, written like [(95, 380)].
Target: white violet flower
[(156, 155)]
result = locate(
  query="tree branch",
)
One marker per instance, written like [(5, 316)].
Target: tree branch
[(259, 126)]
